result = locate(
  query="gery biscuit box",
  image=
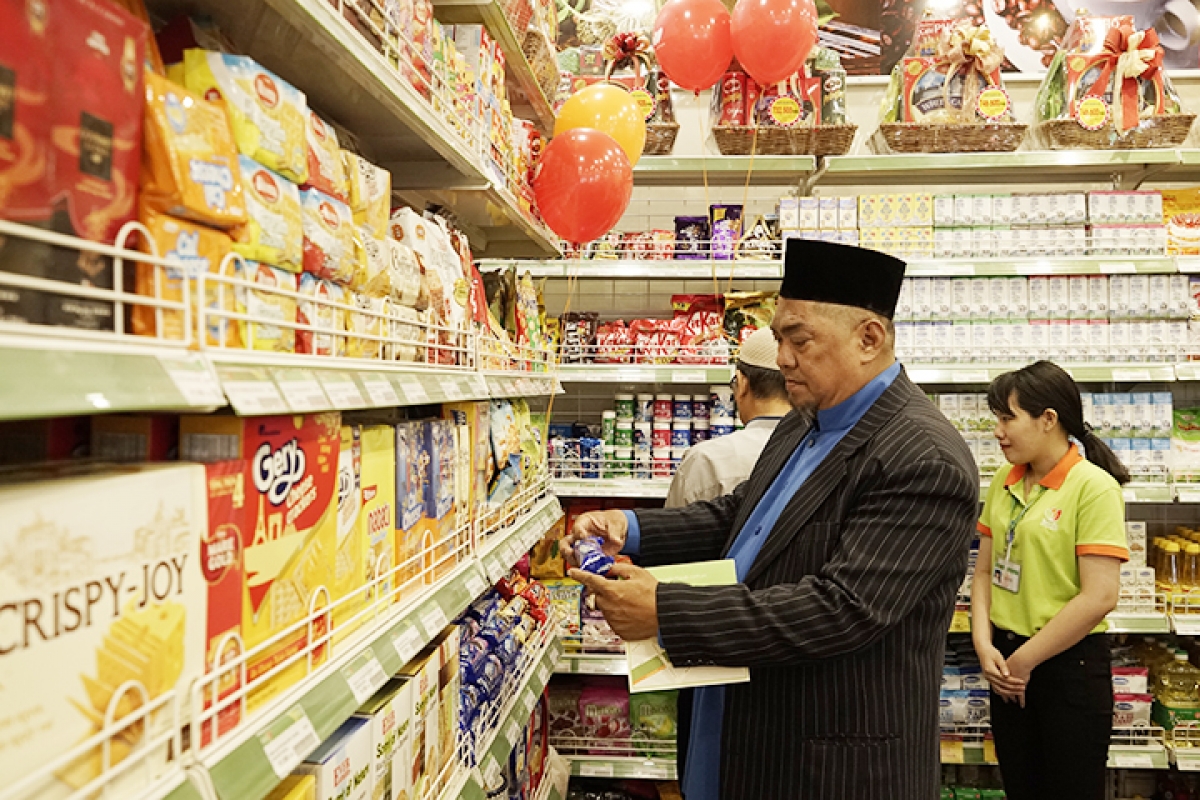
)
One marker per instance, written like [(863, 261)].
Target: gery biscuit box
[(342, 764), (378, 515), (412, 478), (100, 591), (289, 541), (389, 716)]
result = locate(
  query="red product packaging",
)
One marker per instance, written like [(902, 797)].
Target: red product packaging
[(26, 73), (787, 104), (753, 90), (655, 341), (700, 319), (613, 343), (733, 99)]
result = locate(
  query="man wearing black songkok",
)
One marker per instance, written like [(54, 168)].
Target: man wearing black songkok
[(850, 540)]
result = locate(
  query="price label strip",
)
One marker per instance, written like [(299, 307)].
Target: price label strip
[(301, 390), (414, 390), (687, 376), (475, 585), (342, 390), (407, 643), (590, 769), (544, 674), (194, 380), (380, 390), (451, 389), (288, 740), (251, 392), (365, 677), (1134, 760), (513, 732), (433, 619)]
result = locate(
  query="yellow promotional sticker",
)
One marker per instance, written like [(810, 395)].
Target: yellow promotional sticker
[(645, 102), (785, 111), (993, 103), (1092, 113)]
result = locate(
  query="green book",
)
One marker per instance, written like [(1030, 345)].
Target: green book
[(650, 670)]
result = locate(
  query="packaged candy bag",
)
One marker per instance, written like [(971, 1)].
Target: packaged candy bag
[(328, 237), (269, 116), (604, 713), (326, 170), (189, 164), (274, 231), (198, 248), (653, 716)]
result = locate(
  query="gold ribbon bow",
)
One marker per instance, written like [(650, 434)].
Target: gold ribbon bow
[(1131, 54), (971, 50), (625, 50)]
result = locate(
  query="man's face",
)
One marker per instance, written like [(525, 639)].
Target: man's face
[(818, 352)]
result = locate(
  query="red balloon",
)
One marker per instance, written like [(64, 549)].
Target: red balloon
[(692, 42), (583, 184), (772, 38)]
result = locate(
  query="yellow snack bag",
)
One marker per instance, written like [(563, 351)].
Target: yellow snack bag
[(269, 116), (370, 193), (272, 306), (199, 249), (189, 162), (274, 233), (371, 324), (319, 315), (326, 170)]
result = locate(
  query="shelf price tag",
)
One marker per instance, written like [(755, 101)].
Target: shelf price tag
[(595, 770), (342, 390), (512, 732), (654, 772), (687, 376), (1130, 375), (433, 619), (407, 643), (380, 390), (301, 390), (251, 392), (590, 666), (475, 585), (194, 380), (414, 390), (972, 376), (544, 674), (288, 740), (451, 388), (365, 676), (491, 770), (1189, 495), (1133, 760)]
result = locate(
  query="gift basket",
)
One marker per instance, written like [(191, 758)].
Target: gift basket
[(803, 115), (947, 95), (1106, 90), (631, 51)]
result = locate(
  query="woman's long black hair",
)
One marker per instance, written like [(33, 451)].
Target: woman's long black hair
[(1045, 385)]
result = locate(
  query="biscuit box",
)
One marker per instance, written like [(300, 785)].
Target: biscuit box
[(389, 715), (342, 764), (473, 416), (439, 494), (351, 570), (412, 478), (101, 612), (449, 692), (425, 736), (295, 787), (378, 516), (289, 539)]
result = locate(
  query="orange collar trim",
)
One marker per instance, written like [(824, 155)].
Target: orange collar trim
[(1054, 478)]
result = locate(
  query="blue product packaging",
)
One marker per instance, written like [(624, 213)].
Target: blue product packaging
[(591, 555), (591, 457)]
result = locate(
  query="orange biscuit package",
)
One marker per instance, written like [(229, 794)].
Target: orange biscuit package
[(190, 163), (326, 170), (197, 248)]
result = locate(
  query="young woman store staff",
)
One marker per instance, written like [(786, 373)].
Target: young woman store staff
[(1052, 539)]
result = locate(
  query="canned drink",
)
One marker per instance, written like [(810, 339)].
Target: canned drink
[(643, 410), (700, 406), (722, 402), (681, 434), (661, 436), (683, 406), (664, 408), (625, 406), (608, 427), (717, 431), (624, 433)]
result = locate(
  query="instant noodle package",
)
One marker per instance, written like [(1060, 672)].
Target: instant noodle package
[(328, 237), (274, 232), (269, 116), (190, 164)]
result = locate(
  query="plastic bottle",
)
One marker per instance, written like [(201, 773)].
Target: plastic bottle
[(1191, 567), (1177, 689), (1168, 576)]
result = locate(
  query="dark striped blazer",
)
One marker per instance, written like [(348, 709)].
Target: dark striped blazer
[(843, 617)]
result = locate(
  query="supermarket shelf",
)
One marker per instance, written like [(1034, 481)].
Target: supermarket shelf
[(1139, 748), (1188, 372), (644, 373), (501, 550), (1025, 166), (593, 664), (500, 384), (514, 717), (611, 487), (655, 769), (1188, 167), (58, 375), (1118, 622), (1077, 265), (492, 17), (628, 268), (722, 170), (309, 44)]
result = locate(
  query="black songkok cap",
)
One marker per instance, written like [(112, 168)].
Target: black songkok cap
[(837, 273)]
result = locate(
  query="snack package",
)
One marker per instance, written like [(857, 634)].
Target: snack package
[(562, 710), (322, 316), (328, 237), (25, 176), (406, 336), (326, 169), (702, 339), (391, 270), (692, 236), (726, 223), (578, 333), (1181, 215), (269, 116), (255, 335), (370, 193), (506, 452), (653, 716), (274, 232), (199, 249), (547, 562), (604, 713), (746, 312), (368, 324), (189, 164)]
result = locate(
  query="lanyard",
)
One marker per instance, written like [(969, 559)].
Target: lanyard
[(1012, 526)]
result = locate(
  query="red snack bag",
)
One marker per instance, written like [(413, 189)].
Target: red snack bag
[(613, 343), (701, 337)]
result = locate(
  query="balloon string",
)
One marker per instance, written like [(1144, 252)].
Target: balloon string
[(745, 201), (572, 281), (712, 262)]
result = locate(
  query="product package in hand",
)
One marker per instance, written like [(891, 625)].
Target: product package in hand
[(591, 555)]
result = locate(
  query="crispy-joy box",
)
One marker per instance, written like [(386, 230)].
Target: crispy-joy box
[(289, 539), (102, 608)]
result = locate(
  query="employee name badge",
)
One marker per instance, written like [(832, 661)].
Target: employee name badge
[(1007, 575)]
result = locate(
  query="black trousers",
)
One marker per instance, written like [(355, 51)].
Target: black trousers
[(1057, 745)]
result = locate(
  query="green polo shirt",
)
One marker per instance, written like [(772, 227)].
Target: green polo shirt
[(1076, 510)]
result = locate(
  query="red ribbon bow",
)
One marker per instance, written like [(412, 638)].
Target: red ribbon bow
[(624, 50), (1132, 54)]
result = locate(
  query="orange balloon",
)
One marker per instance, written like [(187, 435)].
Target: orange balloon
[(609, 109)]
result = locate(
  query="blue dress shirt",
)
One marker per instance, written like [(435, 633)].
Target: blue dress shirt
[(702, 777)]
